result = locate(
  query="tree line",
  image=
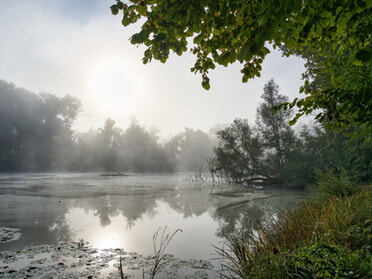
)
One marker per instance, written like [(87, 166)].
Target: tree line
[(36, 134), (271, 153)]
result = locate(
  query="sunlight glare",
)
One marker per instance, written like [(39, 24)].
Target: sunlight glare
[(114, 87), (109, 239)]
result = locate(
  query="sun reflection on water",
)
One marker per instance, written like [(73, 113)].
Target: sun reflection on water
[(89, 228), (138, 236), (108, 240)]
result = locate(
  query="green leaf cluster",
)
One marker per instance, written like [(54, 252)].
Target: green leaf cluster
[(338, 90), (230, 31)]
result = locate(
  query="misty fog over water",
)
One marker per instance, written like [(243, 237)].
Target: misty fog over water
[(125, 211)]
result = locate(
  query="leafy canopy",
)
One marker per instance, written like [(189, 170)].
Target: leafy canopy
[(225, 31), (338, 89), (334, 37)]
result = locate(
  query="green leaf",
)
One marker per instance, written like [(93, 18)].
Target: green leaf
[(114, 9), (342, 22), (224, 59), (142, 9), (264, 18), (120, 5), (268, 31), (126, 20), (244, 54), (205, 82), (198, 39), (255, 47)]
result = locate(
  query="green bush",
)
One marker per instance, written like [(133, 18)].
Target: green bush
[(323, 260), (360, 235), (334, 183)]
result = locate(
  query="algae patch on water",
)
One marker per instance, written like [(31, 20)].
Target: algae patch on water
[(9, 234), (78, 260)]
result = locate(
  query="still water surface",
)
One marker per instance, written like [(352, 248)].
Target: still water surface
[(125, 211)]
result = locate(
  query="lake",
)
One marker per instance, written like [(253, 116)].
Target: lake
[(110, 212)]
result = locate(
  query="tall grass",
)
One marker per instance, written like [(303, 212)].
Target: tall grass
[(323, 238)]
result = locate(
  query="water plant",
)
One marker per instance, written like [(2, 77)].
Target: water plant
[(121, 272), (160, 244), (160, 240)]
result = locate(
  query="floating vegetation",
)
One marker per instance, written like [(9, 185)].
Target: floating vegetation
[(9, 234), (78, 260)]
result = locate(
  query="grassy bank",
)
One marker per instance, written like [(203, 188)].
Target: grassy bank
[(329, 236)]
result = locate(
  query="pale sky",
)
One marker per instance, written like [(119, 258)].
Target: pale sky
[(78, 47)]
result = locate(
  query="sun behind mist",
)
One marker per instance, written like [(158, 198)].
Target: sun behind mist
[(114, 87)]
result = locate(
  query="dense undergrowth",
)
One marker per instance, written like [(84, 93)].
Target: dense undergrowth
[(327, 236)]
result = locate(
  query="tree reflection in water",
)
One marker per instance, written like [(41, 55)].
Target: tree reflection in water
[(41, 208), (243, 210)]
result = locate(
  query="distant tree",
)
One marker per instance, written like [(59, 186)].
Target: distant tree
[(88, 151), (310, 151), (325, 150), (141, 152), (110, 146), (114, 149), (189, 149), (256, 155), (273, 125), (239, 155), (58, 115), (19, 127), (35, 130)]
